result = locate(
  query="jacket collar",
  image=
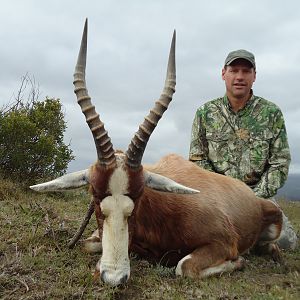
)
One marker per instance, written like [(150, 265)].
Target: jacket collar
[(244, 109)]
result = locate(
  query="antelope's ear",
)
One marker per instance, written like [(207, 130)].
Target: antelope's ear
[(164, 184), (66, 182)]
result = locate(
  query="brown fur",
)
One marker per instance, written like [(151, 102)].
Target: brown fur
[(136, 183), (218, 224), (99, 181)]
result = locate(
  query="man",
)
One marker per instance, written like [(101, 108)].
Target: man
[(244, 136)]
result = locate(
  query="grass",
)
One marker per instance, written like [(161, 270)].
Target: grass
[(35, 262)]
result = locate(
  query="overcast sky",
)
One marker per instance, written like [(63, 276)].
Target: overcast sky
[(128, 45)]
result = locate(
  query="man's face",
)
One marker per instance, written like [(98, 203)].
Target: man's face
[(239, 77)]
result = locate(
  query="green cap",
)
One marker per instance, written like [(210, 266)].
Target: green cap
[(238, 54)]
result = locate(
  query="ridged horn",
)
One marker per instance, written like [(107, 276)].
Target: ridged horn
[(138, 143), (105, 151)]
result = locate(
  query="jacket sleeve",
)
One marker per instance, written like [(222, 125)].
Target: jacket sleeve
[(277, 167), (199, 146)]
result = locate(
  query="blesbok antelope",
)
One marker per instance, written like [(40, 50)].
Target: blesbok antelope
[(156, 211)]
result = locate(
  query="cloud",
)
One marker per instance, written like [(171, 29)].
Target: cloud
[(128, 46)]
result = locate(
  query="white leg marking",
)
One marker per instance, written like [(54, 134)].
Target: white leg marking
[(93, 243), (178, 270), (273, 231), (227, 266), (270, 233)]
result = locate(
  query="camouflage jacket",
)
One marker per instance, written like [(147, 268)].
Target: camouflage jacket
[(250, 145)]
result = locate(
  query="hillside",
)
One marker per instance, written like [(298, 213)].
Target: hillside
[(291, 189)]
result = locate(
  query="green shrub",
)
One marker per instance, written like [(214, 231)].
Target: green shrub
[(31, 142)]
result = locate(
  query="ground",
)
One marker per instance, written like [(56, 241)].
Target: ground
[(35, 262)]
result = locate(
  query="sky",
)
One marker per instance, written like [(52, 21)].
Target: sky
[(128, 46)]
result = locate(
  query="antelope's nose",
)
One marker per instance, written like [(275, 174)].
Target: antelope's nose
[(124, 279), (113, 278)]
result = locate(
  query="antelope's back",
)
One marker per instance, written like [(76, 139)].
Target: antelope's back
[(221, 198)]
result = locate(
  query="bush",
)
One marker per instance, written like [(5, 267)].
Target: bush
[(31, 141)]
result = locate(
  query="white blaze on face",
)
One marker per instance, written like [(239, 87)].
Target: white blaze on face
[(114, 264)]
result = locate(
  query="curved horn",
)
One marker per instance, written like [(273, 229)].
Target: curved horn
[(138, 143), (105, 151), (66, 182)]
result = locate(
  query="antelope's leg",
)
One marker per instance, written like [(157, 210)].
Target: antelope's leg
[(272, 229), (266, 243), (208, 260), (270, 249), (93, 243)]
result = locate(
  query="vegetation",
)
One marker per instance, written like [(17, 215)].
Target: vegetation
[(35, 262), (31, 139)]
